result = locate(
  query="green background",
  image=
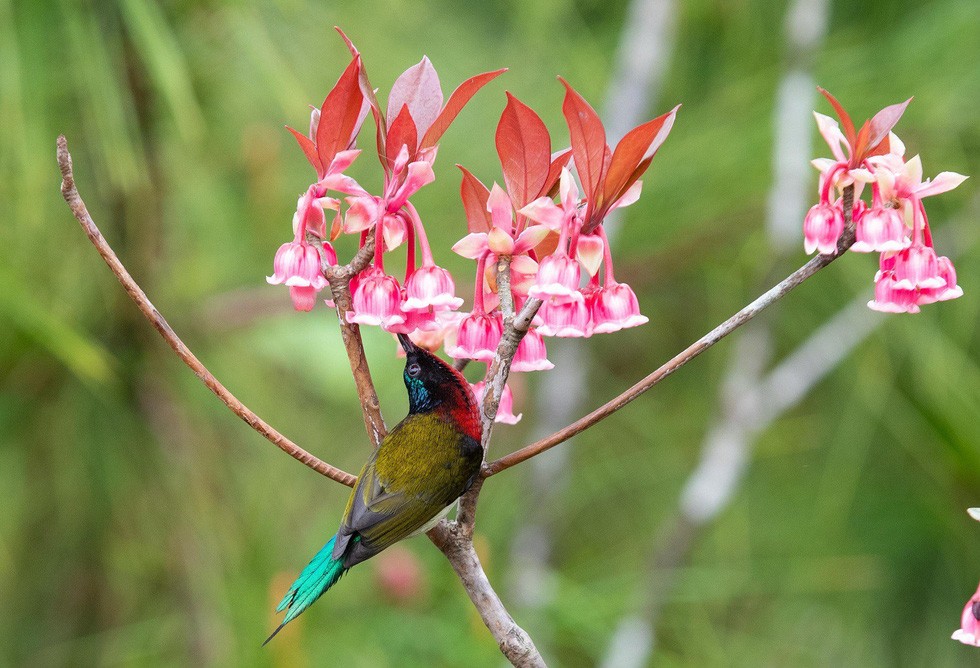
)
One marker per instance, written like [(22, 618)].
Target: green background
[(142, 523)]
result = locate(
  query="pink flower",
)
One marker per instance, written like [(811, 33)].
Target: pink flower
[(969, 631), (615, 307), (890, 297), (430, 286), (880, 230), (917, 267), (558, 276), (297, 264), (478, 337), (376, 300), (531, 354), (946, 292), (500, 239), (822, 228), (566, 319), (505, 410)]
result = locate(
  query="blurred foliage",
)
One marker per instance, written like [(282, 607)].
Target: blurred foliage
[(144, 524)]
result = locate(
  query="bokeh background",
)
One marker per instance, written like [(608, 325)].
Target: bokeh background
[(818, 519)]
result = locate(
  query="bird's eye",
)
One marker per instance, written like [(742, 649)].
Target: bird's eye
[(414, 369)]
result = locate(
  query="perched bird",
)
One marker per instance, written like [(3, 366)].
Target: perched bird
[(420, 468)]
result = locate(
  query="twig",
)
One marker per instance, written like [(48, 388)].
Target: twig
[(774, 294), (339, 277), (78, 208), (514, 642)]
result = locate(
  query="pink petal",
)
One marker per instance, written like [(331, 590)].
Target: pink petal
[(529, 238), (832, 135), (543, 210), (500, 208), (589, 252), (944, 182), (472, 246)]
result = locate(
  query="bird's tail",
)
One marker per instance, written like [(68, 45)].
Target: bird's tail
[(318, 576)]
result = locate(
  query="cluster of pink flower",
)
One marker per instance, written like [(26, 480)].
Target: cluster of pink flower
[(549, 244), (895, 225)]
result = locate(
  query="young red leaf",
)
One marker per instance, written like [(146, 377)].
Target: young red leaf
[(860, 145), (367, 90), (639, 143), (309, 149), (558, 161), (474, 195), (339, 114), (418, 88), (524, 147), (588, 142), (845, 119), (457, 101), (883, 122), (594, 222), (883, 147), (401, 132)]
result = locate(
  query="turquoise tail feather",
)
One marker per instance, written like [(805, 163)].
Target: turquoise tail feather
[(318, 576)]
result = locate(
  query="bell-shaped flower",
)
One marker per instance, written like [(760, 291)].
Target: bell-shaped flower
[(298, 266), (917, 267), (393, 230), (969, 631), (531, 354), (588, 251), (890, 297), (430, 286), (822, 227), (505, 409), (614, 307), (558, 276), (376, 300), (310, 215), (477, 337), (567, 318), (945, 292), (881, 229)]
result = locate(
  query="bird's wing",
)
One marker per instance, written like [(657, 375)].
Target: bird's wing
[(383, 513)]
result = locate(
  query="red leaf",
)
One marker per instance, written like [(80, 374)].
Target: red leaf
[(845, 119), (596, 220), (883, 122), (474, 195), (524, 147), (457, 101), (639, 143), (558, 161), (418, 88), (339, 114), (402, 132), (861, 145), (367, 90), (883, 147), (309, 149), (588, 142)]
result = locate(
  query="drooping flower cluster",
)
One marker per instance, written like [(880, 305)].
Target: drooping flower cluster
[(558, 252), (895, 225), (969, 631)]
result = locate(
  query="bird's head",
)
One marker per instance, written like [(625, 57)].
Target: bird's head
[(433, 384)]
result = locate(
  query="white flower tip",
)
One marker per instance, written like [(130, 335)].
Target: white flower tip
[(974, 513)]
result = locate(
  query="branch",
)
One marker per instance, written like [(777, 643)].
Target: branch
[(776, 293), (456, 543), (78, 208), (339, 277)]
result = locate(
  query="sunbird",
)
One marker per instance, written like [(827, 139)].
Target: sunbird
[(420, 468)]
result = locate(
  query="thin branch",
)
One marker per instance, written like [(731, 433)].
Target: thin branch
[(339, 277), (776, 293), (78, 208), (513, 641)]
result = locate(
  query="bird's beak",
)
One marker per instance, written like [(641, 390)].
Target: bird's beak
[(407, 344)]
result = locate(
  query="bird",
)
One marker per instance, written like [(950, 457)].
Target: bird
[(426, 462)]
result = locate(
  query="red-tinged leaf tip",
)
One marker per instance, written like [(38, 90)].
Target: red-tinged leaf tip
[(558, 162), (524, 147), (883, 122), (340, 113), (463, 93), (844, 117), (402, 132), (309, 150), (350, 45), (588, 138), (474, 195)]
